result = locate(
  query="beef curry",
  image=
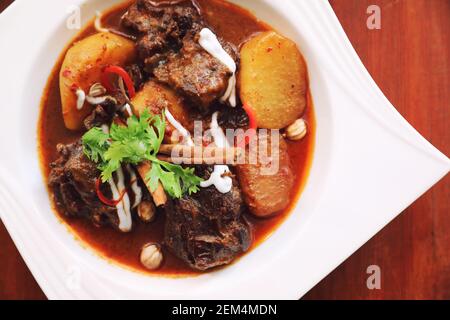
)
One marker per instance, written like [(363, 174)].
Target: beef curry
[(129, 92)]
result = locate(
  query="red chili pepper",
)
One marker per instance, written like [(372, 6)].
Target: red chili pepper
[(74, 87), (66, 73), (253, 125), (106, 80), (104, 199)]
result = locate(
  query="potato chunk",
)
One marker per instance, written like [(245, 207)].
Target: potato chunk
[(267, 186), (273, 80), (156, 97), (82, 67)]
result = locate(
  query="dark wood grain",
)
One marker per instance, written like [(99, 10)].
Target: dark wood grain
[(409, 58), (16, 281), (4, 4)]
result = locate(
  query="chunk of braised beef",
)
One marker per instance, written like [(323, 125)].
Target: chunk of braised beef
[(150, 44), (233, 118), (142, 16), (183, 21), (161, 28), (73, 181), (137, 74), (168, 47), (195, 73), (100, 115), (154, 61), (207, 229)]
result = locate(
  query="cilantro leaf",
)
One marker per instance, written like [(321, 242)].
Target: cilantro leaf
[(175, 179), (95, 144), (189, 181), (168, 179), (139, 141)]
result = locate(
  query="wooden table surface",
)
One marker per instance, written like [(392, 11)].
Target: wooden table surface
[(409, 58)]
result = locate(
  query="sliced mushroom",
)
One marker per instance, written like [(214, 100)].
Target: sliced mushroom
[(97, 90), (100, 100)]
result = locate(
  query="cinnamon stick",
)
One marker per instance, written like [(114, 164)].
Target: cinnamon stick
[(159, 195)]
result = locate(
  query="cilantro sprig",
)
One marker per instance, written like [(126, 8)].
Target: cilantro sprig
[(139, 141)]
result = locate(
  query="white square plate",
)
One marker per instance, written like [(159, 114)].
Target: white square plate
[(369, 165)]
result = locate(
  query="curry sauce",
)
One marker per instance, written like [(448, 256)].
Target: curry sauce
[(230, 22)]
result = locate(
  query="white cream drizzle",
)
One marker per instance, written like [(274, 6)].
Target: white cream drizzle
[(98, 22), (222, 184), (105, 128), (217, 133), (125, 215), (185, 133), (120, 209), (123, 207), (135, 186), (81, 98), (127, 108), (208, 40), (230, 94)]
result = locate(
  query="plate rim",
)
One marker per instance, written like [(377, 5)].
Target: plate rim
[(386, 114)]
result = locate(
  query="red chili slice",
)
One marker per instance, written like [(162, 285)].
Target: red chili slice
[(253, 125), (104, 199), (119, 71)]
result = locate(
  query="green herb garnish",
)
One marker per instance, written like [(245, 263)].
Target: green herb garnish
[(135, 143)]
